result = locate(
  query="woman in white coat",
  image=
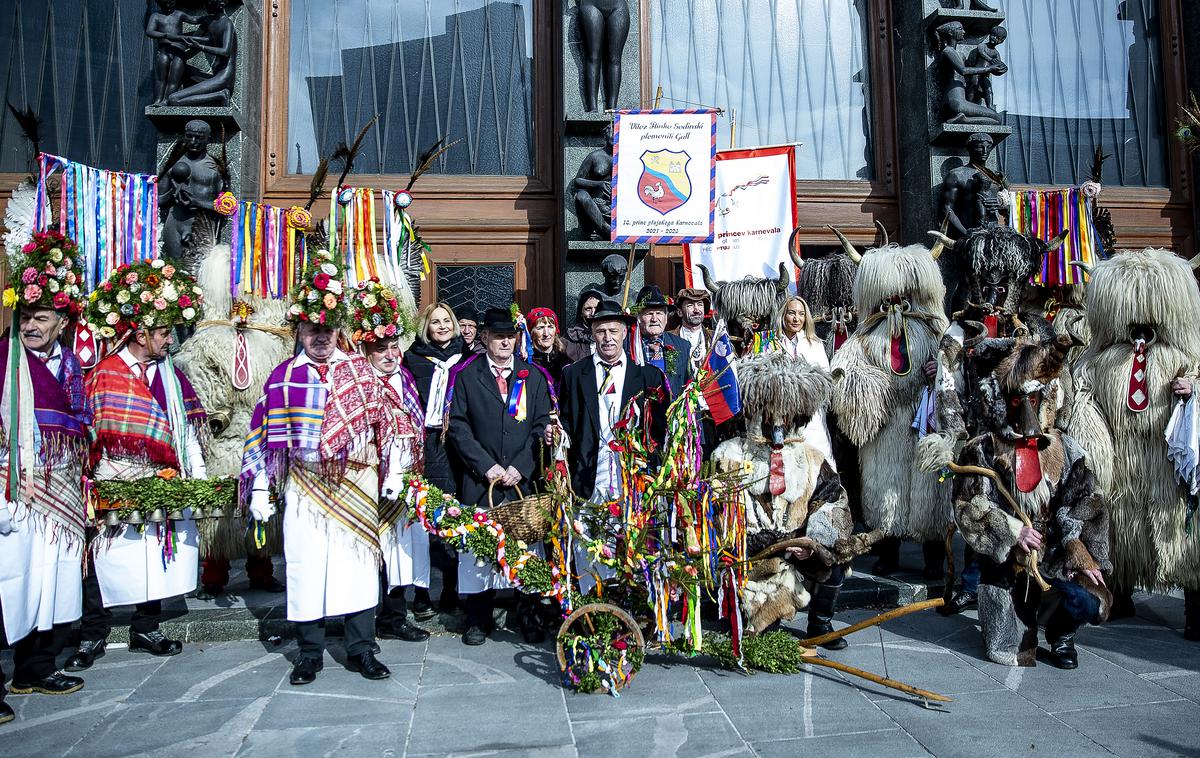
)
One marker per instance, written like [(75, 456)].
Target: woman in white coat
[(796, 336)]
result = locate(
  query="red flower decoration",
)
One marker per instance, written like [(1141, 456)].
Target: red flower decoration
[(62, 300), (321, 280), (614, 509), (185, 301), (523, 374), (480, 517)]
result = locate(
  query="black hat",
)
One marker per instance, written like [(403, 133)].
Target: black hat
[(610, 310), (498, 320), (651, 296), (466, 313)]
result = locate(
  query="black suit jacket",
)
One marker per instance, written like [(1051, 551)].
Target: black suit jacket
[(579, 409), (683, 365), (483, 433)]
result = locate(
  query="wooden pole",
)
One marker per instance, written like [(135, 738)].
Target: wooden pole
[(908, 689), (657, 97), (628, 277), (895, 613), (733, 127)]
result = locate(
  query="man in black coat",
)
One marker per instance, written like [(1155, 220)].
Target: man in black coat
[(660, 348), (499, 411), (595, 393)]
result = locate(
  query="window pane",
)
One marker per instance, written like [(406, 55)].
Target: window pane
[(794, 70), (456, 68), (479, 286), (84, 69), (1083, 74)]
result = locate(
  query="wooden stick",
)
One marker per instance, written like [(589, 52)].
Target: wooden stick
[(628, 277), (1031, 563), (895, 613), (908, 689)]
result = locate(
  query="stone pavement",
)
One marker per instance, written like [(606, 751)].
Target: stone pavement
[(1136, 693)]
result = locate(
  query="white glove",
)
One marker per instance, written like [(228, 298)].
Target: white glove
[(260, 505), (392, 486), (6, 522)]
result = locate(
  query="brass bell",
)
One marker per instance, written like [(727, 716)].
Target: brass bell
[(175, 516), (112, 518), (135, 518), (157, 516), (199, 514)]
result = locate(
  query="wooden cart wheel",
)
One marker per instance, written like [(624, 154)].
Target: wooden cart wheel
[(582, 616)]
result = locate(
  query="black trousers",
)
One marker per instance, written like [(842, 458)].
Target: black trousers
[(97, 620), (359, 634), (34, 654), (393, 606)]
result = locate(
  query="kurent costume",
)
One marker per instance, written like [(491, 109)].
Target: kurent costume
[(800, 348), (1142, 311), (323, 437), (1047, 473), (44, 413), (497, 416), (793, 492), (594, 396), (882, 399), (147, 418)]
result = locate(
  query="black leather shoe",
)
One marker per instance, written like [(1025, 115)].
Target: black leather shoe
[(423, 610), (154, 643), (1062, 654), (86, 655), (961, 601), (271, 584), (818, 628), (57, 683), (367, 665), (474, 636), (6, 713), (209, 592), (305, 670), (404, 631)]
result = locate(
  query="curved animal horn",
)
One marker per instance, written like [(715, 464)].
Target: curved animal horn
[(1060, 238), (793, 252), (942, 242), (781, 284), (850, 251), (882, 232), (709, 284), (1194, 262), (1087, 267)]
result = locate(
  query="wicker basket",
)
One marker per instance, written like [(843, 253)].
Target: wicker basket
[(526, 519)]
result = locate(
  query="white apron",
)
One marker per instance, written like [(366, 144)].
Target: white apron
[(407, 556), (328, 574), (41, 579), (473, 578)]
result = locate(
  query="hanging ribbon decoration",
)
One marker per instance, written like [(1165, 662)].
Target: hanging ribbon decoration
[(1044, 214), (352, 232), (266, 247), (111, 215)]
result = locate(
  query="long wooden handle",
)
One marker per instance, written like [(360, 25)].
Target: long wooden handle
[(891, 683), (1031, 563), (895, 613)]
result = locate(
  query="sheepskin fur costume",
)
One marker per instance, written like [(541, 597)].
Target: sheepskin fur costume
[(875, 407), (1152, 289), (781, 390), (747, 301), (1000, 255)]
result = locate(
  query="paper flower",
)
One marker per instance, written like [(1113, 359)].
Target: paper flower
[(145, 295), (226, 204), (298, 218)]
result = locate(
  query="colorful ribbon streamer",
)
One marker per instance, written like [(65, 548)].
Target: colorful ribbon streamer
[(266, 248), (1044, 214), (111, 215)]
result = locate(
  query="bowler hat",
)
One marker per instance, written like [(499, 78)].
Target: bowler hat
[(498, 320), (610, 310)]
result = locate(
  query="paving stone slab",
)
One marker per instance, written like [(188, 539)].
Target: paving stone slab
[(894, 743), (657, 689), (664, 734), (362, 741), (1142, 730), (51, 725), (513, 716)]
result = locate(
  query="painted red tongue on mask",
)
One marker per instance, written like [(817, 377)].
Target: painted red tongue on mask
[(899, 353), (839, 336), (992, 324), (1029, 465), (1138, 398), (776, 482), (86, 347)]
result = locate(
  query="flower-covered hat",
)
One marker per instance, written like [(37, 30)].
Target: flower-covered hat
[(376, 313), (47, 274), (144, 295), (320, 297)]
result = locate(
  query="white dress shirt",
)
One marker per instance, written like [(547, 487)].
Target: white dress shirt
[(608, 478)]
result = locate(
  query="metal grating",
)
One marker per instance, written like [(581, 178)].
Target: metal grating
[(794, 71), (84, 67), (462, 69), (482, 286), (1084, 74)]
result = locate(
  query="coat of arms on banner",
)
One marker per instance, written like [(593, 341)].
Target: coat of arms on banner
[(664, 184)]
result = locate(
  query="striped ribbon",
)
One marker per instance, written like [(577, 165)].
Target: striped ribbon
[(266, 252), (1046, 213)]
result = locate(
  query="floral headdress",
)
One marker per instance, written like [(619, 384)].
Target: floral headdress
[(144, 295), (376, 313), (47, 274), (320, 297)]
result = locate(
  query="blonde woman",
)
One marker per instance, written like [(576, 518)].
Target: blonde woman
[(796, 335)]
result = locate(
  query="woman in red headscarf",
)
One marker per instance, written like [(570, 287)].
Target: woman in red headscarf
[(548, 350)]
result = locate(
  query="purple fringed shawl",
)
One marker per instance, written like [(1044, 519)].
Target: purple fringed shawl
[(60, 406)]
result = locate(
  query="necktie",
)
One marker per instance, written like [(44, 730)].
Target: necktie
[(1138, 396), (144, 369), (654, 350), (322, 371), (501, 382), (607, 385)]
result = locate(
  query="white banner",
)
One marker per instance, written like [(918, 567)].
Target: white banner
[(662, 181), (756, 212)]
